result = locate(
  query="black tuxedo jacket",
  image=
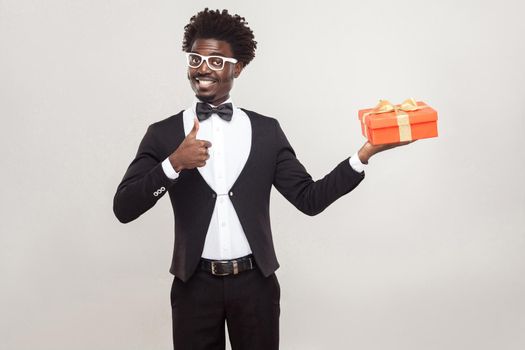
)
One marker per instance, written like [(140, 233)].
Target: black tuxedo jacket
[(271, 161)]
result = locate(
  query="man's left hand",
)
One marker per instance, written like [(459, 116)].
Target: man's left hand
[(368, 150)]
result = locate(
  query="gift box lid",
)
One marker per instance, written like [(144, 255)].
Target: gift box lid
[(389, 119)]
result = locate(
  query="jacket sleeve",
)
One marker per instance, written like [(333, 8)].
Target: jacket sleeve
[(293, 181), (144, 182)]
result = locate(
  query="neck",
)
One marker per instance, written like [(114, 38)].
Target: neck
[(214, 103)]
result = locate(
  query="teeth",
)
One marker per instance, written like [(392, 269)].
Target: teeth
[(205, 82)]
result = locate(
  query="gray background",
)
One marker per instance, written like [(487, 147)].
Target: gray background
[(427, 253)]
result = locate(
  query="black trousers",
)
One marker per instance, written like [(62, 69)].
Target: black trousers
[(248, 302)]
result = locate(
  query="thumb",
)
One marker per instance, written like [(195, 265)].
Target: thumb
[(193, 132)]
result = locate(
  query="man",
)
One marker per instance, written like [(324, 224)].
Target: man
[(218, 163)]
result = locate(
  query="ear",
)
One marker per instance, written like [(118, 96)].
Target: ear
[(237, 69)]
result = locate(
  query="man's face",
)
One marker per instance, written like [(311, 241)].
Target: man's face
[(213, 86)]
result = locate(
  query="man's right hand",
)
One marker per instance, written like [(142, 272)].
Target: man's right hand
[(191, 153)]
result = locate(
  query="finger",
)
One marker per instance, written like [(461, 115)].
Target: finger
[(205, 143), (195, 129)]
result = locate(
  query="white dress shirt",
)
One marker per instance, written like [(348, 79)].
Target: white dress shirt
[(231, 143)]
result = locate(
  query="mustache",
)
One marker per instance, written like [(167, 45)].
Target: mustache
[(200, 75)]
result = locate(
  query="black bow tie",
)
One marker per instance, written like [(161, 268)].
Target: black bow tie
[(204, 111)]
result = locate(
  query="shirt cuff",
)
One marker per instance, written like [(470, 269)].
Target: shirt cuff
[(356, 164), (168, 169)]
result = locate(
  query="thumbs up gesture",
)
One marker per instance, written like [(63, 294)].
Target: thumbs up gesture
[(192, 152)]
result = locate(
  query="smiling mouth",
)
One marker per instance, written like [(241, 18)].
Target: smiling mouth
[(204, 82)]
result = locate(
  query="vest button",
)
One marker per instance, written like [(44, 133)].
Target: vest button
[(213, 195), (231, 194)]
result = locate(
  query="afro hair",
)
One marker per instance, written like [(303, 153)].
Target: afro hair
[(220, 25)]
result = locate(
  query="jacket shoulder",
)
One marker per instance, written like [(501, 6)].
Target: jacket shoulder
[(166, 134), (261, 119), (167, 123)]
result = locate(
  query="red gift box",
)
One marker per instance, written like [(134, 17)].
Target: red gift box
[(387, 123)]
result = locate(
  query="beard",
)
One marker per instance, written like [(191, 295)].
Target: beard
[(206, 98)]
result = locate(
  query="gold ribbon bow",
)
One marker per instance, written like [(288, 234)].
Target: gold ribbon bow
[(405, 131)]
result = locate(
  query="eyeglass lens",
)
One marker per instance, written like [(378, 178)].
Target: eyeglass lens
[(214, 62)]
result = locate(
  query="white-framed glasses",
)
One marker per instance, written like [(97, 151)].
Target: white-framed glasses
[(214, 62)]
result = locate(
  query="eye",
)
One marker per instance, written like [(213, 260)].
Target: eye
[(194, 59), (216, 61)]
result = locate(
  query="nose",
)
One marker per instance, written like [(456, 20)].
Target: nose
[(204, 68)]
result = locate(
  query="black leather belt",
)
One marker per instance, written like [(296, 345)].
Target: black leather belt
[(228, 267)]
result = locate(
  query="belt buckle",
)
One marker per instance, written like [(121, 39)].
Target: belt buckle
[(214, 272)]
